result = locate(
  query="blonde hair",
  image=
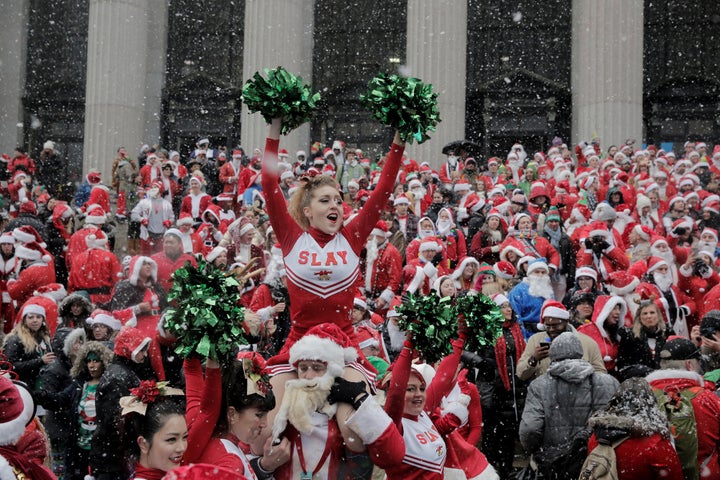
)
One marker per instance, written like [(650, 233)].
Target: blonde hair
[(303, 196), (30, 341), (637, 325)]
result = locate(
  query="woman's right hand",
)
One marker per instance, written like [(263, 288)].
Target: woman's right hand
[(48, 358), (275, 455)]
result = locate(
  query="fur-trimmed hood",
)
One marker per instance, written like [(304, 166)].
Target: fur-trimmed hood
[(79, 365), (67, 302)]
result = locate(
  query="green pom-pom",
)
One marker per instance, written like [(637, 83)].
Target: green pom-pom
[(407, 104), (432, 322), (280, 95), (207, 317), (483, 318)]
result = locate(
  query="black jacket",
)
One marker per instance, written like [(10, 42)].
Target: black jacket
[(26, 364), (128, 295), (634, 355)]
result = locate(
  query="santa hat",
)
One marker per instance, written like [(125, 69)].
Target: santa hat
[(381, 229), (136, 264), (536, 264), (32, 251), (430, 243), (213, 210), (599, 229), (95, 215), (28, 206), (587, 183), (461, 186), (360, 301), (511, 247), (494, 212), (286, 175), (682, 223), (27, 234), (586, 272), (7, 238), (17, 409), (604, 212), (517, 217), (325, 343), (194, 178), (464, 262), (504, 270), (97, 239), (538, 190), (710, 231), (215, 253), (103, 317), (401, 199), (653, 263), (185, 219), (32, 308), (94, 178), (224, 197), (54, 291), (414, 183), (130, 342), (643, 231), (499, 299), (365, 337), (554, 309)]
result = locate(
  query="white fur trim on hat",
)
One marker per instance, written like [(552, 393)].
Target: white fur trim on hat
[(430, 245), (32, 308), (12, 430), (586, 272), (401, 200), (248, 227), (605, 312), (500, 299), (556, 312), (215, 253), (22, 236), (312, 347), (537, 264), (105, 319), (141, 346)]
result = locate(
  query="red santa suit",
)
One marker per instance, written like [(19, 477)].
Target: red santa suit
[(35, 270), (7, 267), (192, 243), (230, 174), (699, 289), (321, 267), (100, 196), (151, 171), (167, 266), (596, 330), (612, 259), (383, 269), (93, 223), (195, 205), (95, 270)]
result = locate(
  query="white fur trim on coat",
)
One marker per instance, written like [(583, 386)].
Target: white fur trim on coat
[(369, 421)]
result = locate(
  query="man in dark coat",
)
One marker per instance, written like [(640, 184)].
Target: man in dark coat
[(52, 173)]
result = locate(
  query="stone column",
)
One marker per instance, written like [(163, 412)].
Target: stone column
[(277, 33), (116, 79), (436, 53), (155, 79), (607, 70), (13, 55)]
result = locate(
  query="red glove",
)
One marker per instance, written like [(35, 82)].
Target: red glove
[(145, 222), (167, 223)]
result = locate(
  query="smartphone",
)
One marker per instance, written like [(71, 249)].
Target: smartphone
[(545, 344)]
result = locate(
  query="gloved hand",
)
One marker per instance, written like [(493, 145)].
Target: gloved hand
[(145, 222), (346, 391), (701, 268), (679, 231), (588, 244), (167, 223), (437, 259), (603, 245)]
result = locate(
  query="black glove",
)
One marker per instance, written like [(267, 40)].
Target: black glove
[(679, 231), (405, 298), (588, 244), (437, 259), (603, 245), (347, 392), (700, 267), (597, 248)]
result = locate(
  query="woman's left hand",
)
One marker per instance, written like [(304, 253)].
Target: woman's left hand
[(275, 455)]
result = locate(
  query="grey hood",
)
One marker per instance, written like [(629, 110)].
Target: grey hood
[(572, 370)]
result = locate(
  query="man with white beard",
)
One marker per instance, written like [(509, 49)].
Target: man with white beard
[(659, 283), (527, 297), (708, 241), (659, 248), (383, 268)]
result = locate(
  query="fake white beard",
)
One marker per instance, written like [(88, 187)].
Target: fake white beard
[(663, 281), (495, 235), (539, 286), (397, 336), (425, 233), (707, 246), (301, 398), (444, 226), (153, 192), (667, 256), (418, 193), (370, 257), (452, 160)]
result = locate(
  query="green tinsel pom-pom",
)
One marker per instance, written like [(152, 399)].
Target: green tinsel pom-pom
[(280, 95), (483, 318), (207, 319), (432, 322), (407, 104)]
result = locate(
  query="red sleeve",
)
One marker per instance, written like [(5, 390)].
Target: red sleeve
[(462, 245), (275, 201), (446, 424), (186, 205), (395, 272), (389, 449), (395, 401), (202, 408), (474, 425), (261, 298), (444, 378), (359, 228), (618, 259)]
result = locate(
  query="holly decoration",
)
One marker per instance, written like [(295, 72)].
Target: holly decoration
[(280, 95), (433, 324), (207, 317), (483, 319), (407, 104)]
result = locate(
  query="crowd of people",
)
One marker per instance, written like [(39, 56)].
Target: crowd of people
[(604, 265)]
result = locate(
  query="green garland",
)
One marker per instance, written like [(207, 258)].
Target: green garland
[(281, 95), (207, 319), (406, 104), (432, 322), (483, 318)]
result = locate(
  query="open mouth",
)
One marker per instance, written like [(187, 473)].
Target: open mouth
[(176, 460), (333, 217)]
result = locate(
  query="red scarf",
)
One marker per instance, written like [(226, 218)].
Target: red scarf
[(21, 462), (501, 351), (148, 473)]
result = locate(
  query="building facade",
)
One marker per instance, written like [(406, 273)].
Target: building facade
[(94, 75)]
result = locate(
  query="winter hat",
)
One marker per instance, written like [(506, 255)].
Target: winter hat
[(710, 231), (536, 264), (33, 252), (710, 324), (464, 262), (174, 232), (430, 243), (360, 301), (381, 229), (7, 238), (32, 308), (604, 212), (17, 409), (504, 270), (494, 212), (586, 272), (643, 231), (519, 199), (553, 215), (28, 206), (27, 234), (49, 145), (587, 183), (653, 263), (401, 200), (215, 253), (325, 343), (93, 177), (185, 219), (95, 215), (54, 291), (566, 346), (103, 317), (136, 264), (97, 239), (365, 337), (680, 349), (516, 219), (599, 229), (500, 299), (130, 342), (554, 309)]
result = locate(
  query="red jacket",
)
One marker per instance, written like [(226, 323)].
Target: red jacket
[(167, 266), (385, 275), (645, 458), (30, 279), (97, 271), (77, 244)]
